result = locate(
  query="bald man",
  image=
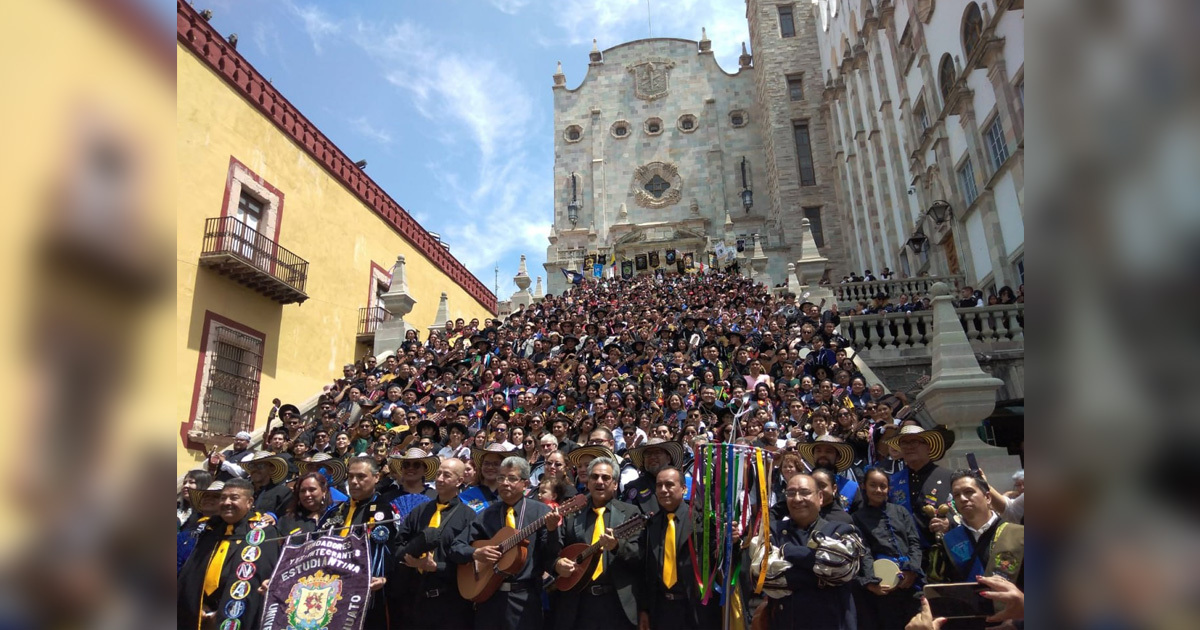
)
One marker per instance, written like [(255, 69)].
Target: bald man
[(425, 539)]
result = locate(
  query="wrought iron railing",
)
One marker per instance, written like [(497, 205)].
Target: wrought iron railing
[(369, 319), (229, 235)]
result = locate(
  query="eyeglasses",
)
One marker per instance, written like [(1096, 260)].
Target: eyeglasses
[(555, 465), (795, 494), (510, 479)]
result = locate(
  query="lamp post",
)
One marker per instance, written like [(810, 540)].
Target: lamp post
[(573, 207), (918, 241), (940, 211), (747, 195)]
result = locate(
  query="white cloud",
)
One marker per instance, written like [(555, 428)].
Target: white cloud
[(497, 197), (613, 22), (366, 129), (511, 7), (316, 23)]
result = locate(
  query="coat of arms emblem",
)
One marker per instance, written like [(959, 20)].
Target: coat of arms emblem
[(651, 78), (313, 601)]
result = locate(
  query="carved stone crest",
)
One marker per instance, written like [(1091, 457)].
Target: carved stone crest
[(657, 185), (651, 78)]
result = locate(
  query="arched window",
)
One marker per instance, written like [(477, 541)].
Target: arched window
[(972, 28), (946, 76)]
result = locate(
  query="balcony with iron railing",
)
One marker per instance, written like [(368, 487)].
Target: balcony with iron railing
[(250, 258), (369, 319)]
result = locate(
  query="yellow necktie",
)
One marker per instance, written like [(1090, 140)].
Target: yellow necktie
[(510, 519), (597, 532), (669, 553), (349, 517), (212, 575), (436, 521)]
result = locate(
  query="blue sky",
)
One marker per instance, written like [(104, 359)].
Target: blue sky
[(449, 100)]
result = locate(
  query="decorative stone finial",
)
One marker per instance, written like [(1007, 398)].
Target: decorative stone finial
[(596, 56), (694, 206), (746, 58), (940, 288), (559, 77), (705, 45)]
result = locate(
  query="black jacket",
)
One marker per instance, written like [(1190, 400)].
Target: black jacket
[(543, 545), (623, 567), (653, 602), (273, 498), (191, 577), (809, 605), (416, 538)]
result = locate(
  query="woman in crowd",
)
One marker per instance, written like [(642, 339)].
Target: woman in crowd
[(185, 512), (312, 499)]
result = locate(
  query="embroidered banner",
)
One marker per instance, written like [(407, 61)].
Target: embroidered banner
[(323, 583)]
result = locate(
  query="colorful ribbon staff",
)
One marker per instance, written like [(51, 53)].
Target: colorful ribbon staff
[(723, 499)]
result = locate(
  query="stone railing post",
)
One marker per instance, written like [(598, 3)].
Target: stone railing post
[(960, 395)]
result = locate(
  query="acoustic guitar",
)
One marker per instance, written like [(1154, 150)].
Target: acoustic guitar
[(479, 584), (584, 555)]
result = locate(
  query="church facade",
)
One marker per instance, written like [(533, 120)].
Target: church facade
[(665, 161)]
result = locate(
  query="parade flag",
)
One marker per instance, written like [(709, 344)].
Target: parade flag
[(654, 259), (627, 269), (574, 277), (324, 583), (640, 261), (597, 270), (670, 257)]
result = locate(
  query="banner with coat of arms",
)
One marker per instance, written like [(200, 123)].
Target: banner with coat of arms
[(670, 257), (324, 583), (654, 260)]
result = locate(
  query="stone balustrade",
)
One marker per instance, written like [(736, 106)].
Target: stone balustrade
[(900, 331), (854, 292)]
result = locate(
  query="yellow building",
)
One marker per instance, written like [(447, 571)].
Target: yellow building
[(281, 241)]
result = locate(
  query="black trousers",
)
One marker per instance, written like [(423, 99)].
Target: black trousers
[(514, 610), (447, 611), (684, 614), (601, 612)]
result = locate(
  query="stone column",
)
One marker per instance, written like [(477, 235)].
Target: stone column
[(521, 298), (443, 314), (960, 395), (537, 292), (758, 263), (398, 303)]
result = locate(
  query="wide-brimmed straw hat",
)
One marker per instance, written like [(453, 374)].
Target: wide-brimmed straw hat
[(939, 438), (333, 468), (845, 452), (477, 454), (674, 450), (431, 462), (595, 450), (279, 467), (195, 495)]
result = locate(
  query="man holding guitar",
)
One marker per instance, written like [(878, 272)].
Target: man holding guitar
[(484, 550), (607, 598)]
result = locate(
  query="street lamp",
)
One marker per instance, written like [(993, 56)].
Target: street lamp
[(747, 196), (940, 210), (573, 207), (918, 241)]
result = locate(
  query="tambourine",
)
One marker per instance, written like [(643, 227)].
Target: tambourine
[(888, 572)]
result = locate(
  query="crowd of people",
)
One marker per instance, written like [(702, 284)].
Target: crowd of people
[(601, 399)]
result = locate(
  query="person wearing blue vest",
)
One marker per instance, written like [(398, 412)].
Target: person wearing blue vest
[(831, 452), (983, 544), (923, 487)]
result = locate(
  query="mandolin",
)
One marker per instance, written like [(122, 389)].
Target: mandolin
[(584, 555), (479, 584)]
